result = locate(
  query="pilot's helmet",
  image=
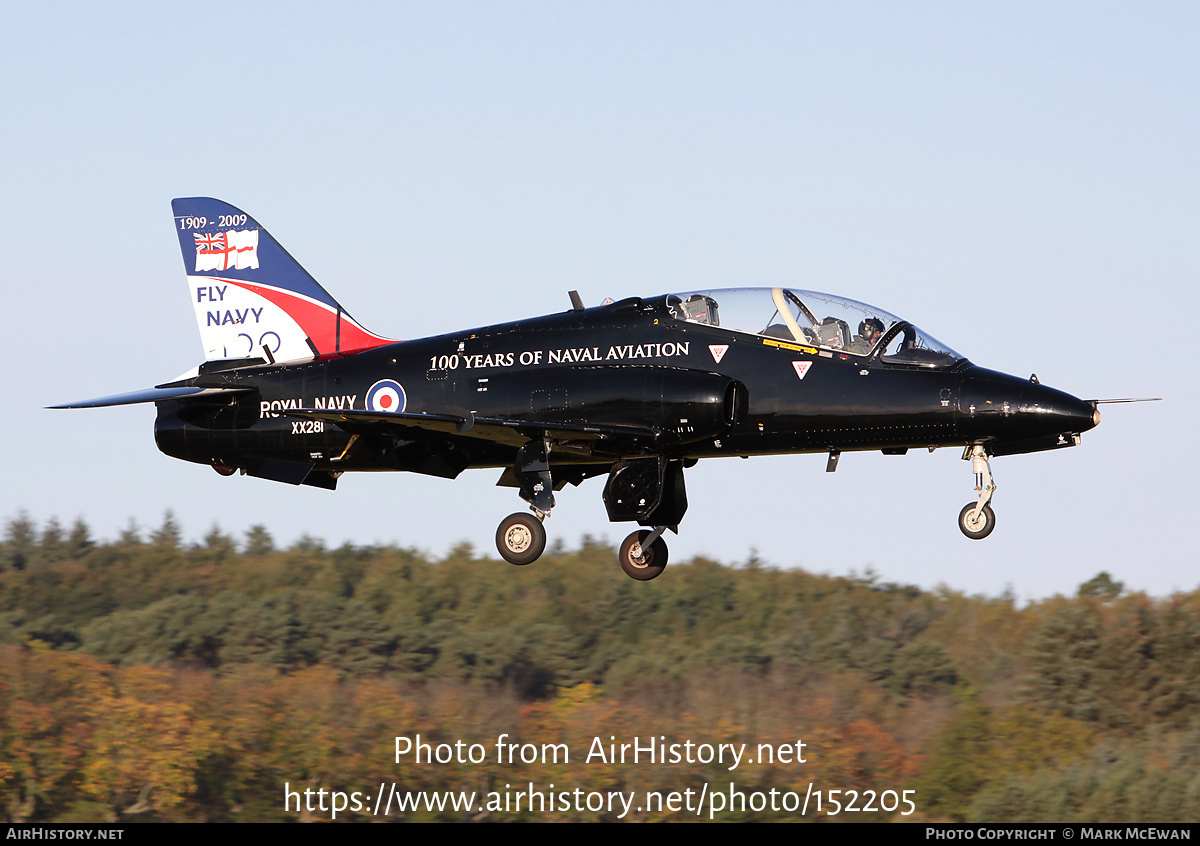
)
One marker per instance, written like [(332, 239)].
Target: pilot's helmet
[(870, 326)]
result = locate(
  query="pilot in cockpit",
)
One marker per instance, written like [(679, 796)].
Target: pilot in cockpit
[(869, 332)]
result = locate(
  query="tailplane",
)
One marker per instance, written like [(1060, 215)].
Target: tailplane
[(252, 299)]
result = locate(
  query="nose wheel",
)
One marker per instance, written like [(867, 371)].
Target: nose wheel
[(521, 539), (975, 522), (643, 555)]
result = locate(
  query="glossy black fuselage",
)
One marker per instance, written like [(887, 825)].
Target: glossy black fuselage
[(684, 390)]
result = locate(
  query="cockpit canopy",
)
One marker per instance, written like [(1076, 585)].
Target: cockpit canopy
[(813, 319)]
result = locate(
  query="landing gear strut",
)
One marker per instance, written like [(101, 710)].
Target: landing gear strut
[(977, 519)]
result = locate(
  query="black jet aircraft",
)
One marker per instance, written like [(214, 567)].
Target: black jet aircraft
[(295, 390)]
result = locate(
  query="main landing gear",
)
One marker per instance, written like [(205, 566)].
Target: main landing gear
[(977, 519), (643, 554), (521, 538), (645, 490), (649, 491)]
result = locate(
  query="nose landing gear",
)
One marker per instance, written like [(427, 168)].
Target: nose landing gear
[(977, 519)]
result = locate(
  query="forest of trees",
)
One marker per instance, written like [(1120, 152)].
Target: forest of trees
[(146, 678)]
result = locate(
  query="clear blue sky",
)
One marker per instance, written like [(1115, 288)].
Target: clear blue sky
[(1019, 179)]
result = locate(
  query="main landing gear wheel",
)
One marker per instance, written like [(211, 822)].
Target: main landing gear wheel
[(642, 564), (520, 539), (979, 527)]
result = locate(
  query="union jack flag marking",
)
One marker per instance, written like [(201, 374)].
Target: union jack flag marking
[(212, 243)]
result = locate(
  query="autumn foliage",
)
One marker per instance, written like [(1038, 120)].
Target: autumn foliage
[(149, 679)]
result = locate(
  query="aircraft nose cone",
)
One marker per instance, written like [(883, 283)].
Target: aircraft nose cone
[(1063, 411), (998, 405)]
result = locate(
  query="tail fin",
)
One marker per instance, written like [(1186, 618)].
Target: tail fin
[(251, 298)]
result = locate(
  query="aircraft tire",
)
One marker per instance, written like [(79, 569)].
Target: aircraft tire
[(521, 539), (980, 528), (649, 563)]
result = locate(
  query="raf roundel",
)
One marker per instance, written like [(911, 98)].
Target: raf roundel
[(386, 395)]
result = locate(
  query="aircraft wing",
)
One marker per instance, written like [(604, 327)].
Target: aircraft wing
[(494, 430)]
